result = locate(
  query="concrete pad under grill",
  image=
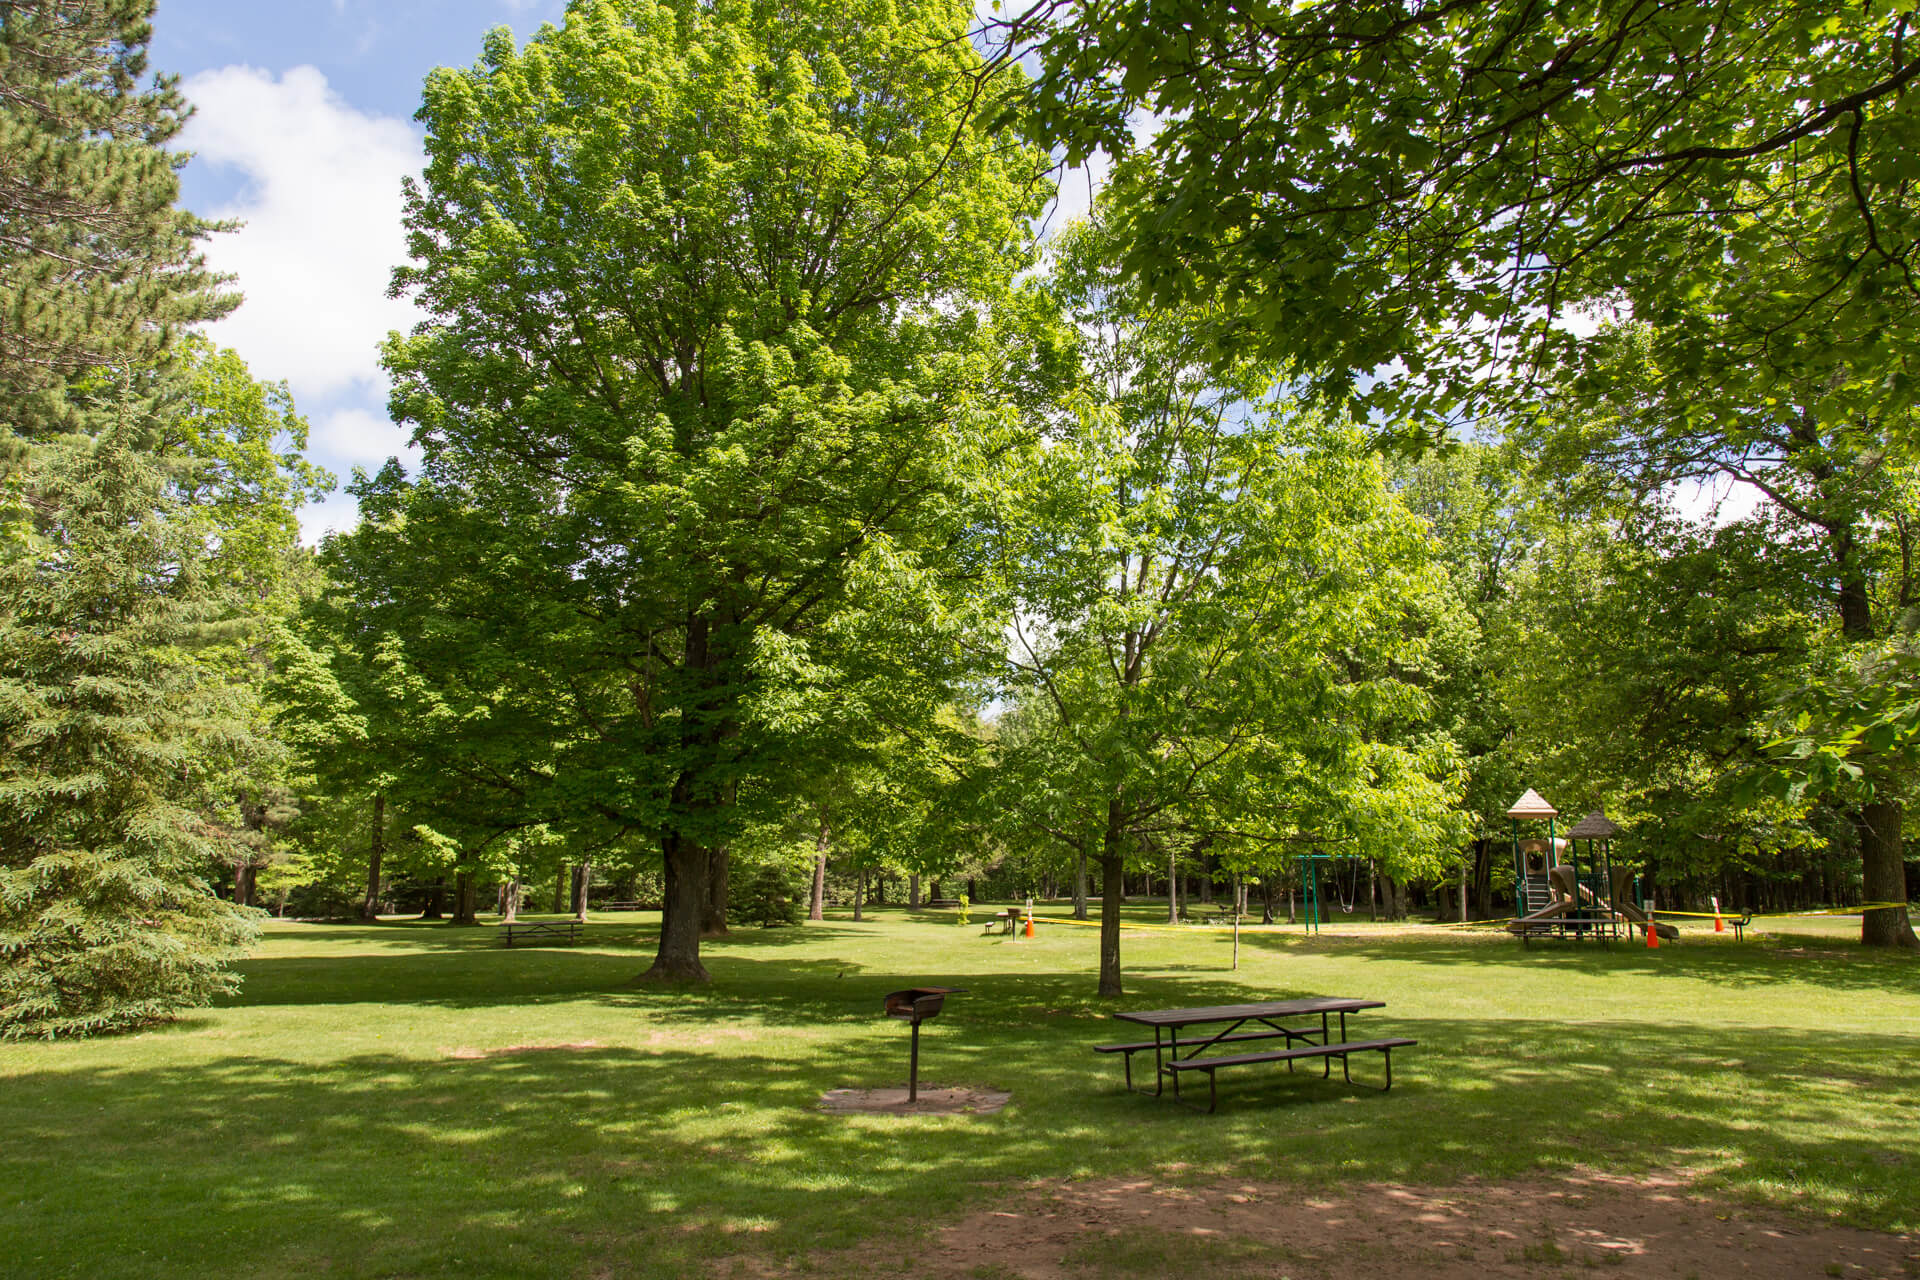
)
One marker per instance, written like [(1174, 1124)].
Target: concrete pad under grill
[(935, 1100)]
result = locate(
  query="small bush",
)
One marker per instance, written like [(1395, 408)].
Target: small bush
[(771, 898)]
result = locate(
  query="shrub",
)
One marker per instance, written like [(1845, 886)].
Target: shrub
[(771, 897)]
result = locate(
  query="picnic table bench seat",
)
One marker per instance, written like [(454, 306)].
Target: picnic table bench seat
[(567, 931), (942, 902), (1325, 1052), (1147, 1046)]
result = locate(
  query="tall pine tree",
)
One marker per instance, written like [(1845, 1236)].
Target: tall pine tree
[(97, 266), (112, 731)]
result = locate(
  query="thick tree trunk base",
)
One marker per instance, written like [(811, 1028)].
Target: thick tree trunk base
[(1113, 865), (1884, 878), (1889, 929), (662, 975)]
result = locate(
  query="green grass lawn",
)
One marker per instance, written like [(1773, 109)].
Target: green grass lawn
[(351, 1111)]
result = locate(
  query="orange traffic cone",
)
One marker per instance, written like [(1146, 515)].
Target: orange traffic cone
[(1029, 925), (1719, 925)]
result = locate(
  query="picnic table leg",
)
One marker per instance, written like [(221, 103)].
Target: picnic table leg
[(1173, 1050)]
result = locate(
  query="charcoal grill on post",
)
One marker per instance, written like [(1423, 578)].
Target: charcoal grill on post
[(916, 1005)]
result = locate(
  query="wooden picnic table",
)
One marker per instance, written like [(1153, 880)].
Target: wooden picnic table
[(1172, 1056), (518, 931)]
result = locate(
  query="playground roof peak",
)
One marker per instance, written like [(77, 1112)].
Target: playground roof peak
[(1531, 805), (1595, 826)]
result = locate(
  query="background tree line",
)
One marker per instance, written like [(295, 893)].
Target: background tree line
[(790, 522)]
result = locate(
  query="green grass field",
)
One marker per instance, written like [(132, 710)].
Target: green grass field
[(353, 1111)]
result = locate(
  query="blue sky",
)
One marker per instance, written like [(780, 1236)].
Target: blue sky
[(304, 131)]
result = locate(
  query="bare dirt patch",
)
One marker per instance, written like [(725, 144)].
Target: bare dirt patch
[(934, 1100), (1618, 1226), (469, 1054)]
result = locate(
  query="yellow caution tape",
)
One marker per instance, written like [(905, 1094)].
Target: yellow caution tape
[(1834, 911), (1160, 928), (1782, 915)]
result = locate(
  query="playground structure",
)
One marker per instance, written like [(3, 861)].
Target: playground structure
[(1324, 869), (1560, 893)]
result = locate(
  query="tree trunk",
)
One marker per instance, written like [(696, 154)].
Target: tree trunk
[(1080, 886), (510, 899), (817, 900), (582, 882), (376, 854), (1483, 878), (466, 899), (244, 875), (913, 890), (1113, 869), (436, 900), (713, 920), (1173, 887), (688, 900), (859, 891), (683, 903), (1466, 859), (1884, 878)]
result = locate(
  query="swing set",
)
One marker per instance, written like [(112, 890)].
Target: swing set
[(1327, 868)]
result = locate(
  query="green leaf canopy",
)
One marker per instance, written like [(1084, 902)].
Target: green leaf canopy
[(714, 360)]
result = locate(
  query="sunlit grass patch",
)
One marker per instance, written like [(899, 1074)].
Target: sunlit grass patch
[(411, 1100)]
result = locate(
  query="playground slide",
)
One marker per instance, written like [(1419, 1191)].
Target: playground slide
[(1639, 917), (1558, 907)]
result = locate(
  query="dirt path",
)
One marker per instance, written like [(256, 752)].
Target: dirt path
[(1621, 1227)]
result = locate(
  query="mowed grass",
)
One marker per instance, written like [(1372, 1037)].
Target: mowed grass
[(415, 1100)]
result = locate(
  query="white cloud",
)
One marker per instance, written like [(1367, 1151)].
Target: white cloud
[(336, 513), (1718, 502), (355, 437), (322, 208)]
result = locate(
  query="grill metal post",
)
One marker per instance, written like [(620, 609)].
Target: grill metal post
[(915, 1006), (913, 1065)]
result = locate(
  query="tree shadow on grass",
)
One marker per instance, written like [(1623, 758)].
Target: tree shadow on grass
[(452, 968), (658, 1159), (1729, 964)]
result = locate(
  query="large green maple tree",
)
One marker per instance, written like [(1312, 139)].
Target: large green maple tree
[(714, 359), (1428, 187), (1214, 601)]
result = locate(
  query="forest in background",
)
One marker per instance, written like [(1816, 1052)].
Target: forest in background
[(791, 513)]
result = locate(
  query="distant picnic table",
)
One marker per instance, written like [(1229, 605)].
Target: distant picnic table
[(1173, 1057), (519, 931), (1007, 921)]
